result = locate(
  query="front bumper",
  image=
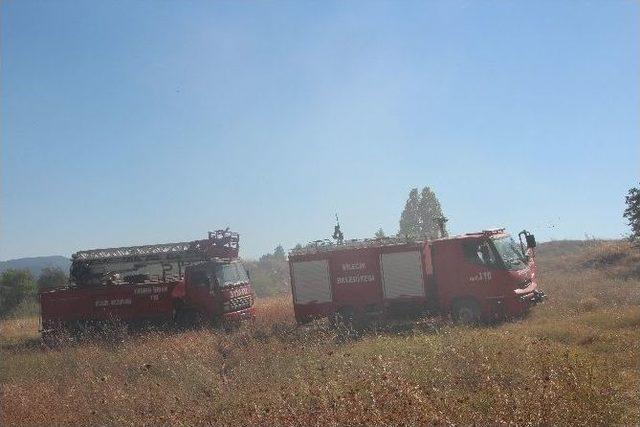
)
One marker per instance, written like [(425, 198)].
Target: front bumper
[(534, 297), (516, 304), (246, 314), (530, 294)]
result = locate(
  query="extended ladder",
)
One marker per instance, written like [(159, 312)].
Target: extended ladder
[(221, 243), (90, 266)]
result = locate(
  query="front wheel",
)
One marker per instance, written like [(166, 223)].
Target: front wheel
[(466, 312), (343, 317)]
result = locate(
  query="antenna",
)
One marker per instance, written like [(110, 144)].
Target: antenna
[(337, 233), (442, 221)]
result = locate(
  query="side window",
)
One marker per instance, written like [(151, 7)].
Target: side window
[(199, 278), (479, 253)]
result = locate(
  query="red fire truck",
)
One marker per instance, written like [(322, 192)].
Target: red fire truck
[(475, 277), (164, 282)]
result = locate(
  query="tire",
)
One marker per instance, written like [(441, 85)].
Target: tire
[(50, 340), (345, 316), (466, 312), (229, 326), (185, 319)]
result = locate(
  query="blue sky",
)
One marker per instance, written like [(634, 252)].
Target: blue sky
[(150, 121)]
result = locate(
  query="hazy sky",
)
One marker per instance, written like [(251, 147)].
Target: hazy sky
[(131, 122)]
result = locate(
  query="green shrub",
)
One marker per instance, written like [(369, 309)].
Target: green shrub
[(15, 287)]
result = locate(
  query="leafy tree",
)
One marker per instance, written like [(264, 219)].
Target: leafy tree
[(279, 253), (270, 274), (422, 215), (410, 219), (52, 277), (380, 234), (15, 286), (632, 212), (430, 214)]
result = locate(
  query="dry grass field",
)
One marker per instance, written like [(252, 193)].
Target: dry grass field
[(573, 360)]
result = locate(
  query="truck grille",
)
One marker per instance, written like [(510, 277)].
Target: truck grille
[(240, 303)]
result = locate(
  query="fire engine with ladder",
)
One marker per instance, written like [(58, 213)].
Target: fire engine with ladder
[(163, 282)]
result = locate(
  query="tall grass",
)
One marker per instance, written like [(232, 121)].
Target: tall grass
[(574, 360)]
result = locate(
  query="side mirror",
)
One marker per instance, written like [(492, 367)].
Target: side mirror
[(531, 241)]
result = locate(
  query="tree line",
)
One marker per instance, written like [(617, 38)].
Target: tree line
[(270, 273), (18, 286), (421, 218)]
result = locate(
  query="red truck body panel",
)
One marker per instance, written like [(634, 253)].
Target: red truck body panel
[(357, 281), (141, 301), (449, 274), (126, 302)]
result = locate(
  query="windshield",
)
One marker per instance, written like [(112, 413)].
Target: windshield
[(230, 274), (510, 253)]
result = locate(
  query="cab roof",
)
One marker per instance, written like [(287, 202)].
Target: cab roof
[(492, 232)]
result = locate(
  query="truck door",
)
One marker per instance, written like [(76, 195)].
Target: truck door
[(464, 269), (200, 285), (478, 273)]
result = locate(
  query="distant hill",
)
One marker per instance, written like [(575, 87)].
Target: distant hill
[(617, 258), (566, 247), (37, 264)]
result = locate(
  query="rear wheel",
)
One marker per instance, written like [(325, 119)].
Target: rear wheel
[(184, 318), (50, 339), (229, 326), (343, 317), (466, 312)]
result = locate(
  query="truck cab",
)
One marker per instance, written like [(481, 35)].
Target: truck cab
[(485, 275), (220, 288)]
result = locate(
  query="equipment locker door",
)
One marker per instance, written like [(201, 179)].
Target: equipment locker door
[(311, 282), (402, 274), (356, 278)]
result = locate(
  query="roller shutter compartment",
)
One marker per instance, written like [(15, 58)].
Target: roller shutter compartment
[(311, 282), (402, 274)]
